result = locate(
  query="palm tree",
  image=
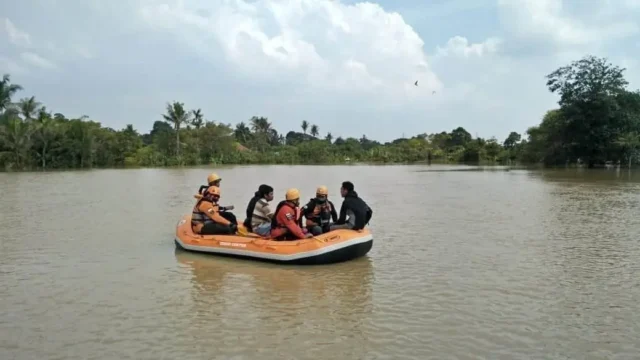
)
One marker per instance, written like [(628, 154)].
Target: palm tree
[(197, 122), (305, 126), (260, 125), (28, 107), (329, 137), (7, 90), (262, 129), (16, 137), (197, 119), (44, 132), (631, 143), (176, 115), (242, 132), (315, 130)]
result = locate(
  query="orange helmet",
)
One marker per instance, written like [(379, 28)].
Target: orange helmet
[(322, 190), (213, 177)]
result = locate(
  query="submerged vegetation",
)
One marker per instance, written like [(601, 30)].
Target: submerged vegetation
[(597, 121)]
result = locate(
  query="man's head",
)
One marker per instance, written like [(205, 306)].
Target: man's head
[(293, 196), (347, 187), (266, 191), (214, 180), (213, 193), (321, 194)]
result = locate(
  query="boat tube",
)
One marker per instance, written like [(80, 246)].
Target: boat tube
[(332, 247)]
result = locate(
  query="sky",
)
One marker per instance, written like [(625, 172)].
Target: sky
[(347, 66)]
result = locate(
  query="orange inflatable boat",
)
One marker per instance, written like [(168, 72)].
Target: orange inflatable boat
[(332, 247)]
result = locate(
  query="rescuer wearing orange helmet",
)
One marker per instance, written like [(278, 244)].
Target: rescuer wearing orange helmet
[(206, 218), (319, 212), (225, 211), (284, 225)]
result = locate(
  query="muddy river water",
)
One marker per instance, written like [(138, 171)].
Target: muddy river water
[(465, 265)]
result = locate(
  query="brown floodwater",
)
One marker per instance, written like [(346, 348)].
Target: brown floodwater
[(465, 265)]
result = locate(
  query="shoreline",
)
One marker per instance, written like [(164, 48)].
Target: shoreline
[(473, 166)]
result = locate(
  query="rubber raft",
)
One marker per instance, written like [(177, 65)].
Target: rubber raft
[(332, 247)]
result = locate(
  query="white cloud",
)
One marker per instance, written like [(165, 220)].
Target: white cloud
[(459, 46), (37, 60), (548, 19), (341, 66), (9, 66), (326, 45), (16, 36)]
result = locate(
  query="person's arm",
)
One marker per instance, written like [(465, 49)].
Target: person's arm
[(334, 214), (266, 209), (343, 214), (292, 225), (307, 211), (212, 212)]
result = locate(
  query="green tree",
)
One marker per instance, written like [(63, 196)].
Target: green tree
[(630, 143), (176, 115), (512, 140), (7, 90), (304, 126), (314, 130), (28, 107), (45, 130), (588, 90)]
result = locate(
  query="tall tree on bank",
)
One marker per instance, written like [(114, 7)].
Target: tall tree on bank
[(304, 126), (314, 130), (176, 115), (589, 90), (7, 90), (29, 108)]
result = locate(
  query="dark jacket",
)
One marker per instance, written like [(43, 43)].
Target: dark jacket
[(360, 209), (307, 211)]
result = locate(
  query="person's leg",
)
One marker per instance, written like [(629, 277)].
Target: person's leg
[(263, 229), (351, 221), (315, 230), (341, 226), (229, 216), (215, 229)]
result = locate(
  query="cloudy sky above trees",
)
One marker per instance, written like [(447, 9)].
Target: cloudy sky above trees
[(347, 66)]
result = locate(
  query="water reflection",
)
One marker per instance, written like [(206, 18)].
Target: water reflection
[(280, 303)]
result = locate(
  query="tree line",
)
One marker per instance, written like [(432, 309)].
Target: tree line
[(597, 121)]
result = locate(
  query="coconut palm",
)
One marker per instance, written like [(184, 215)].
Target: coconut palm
[(314, 130), (242, 133), (329, 137), (198, 119), (176, 115), (44, 133), (7, 90), (28, 107), (16, 137)]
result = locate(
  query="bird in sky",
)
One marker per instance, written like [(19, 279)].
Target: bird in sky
[(416, 83)]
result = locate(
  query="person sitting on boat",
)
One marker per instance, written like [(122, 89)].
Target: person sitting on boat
[(354, 212), (284, 225), (259, 213), (319, 211), (206, 218), (225, 211)]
